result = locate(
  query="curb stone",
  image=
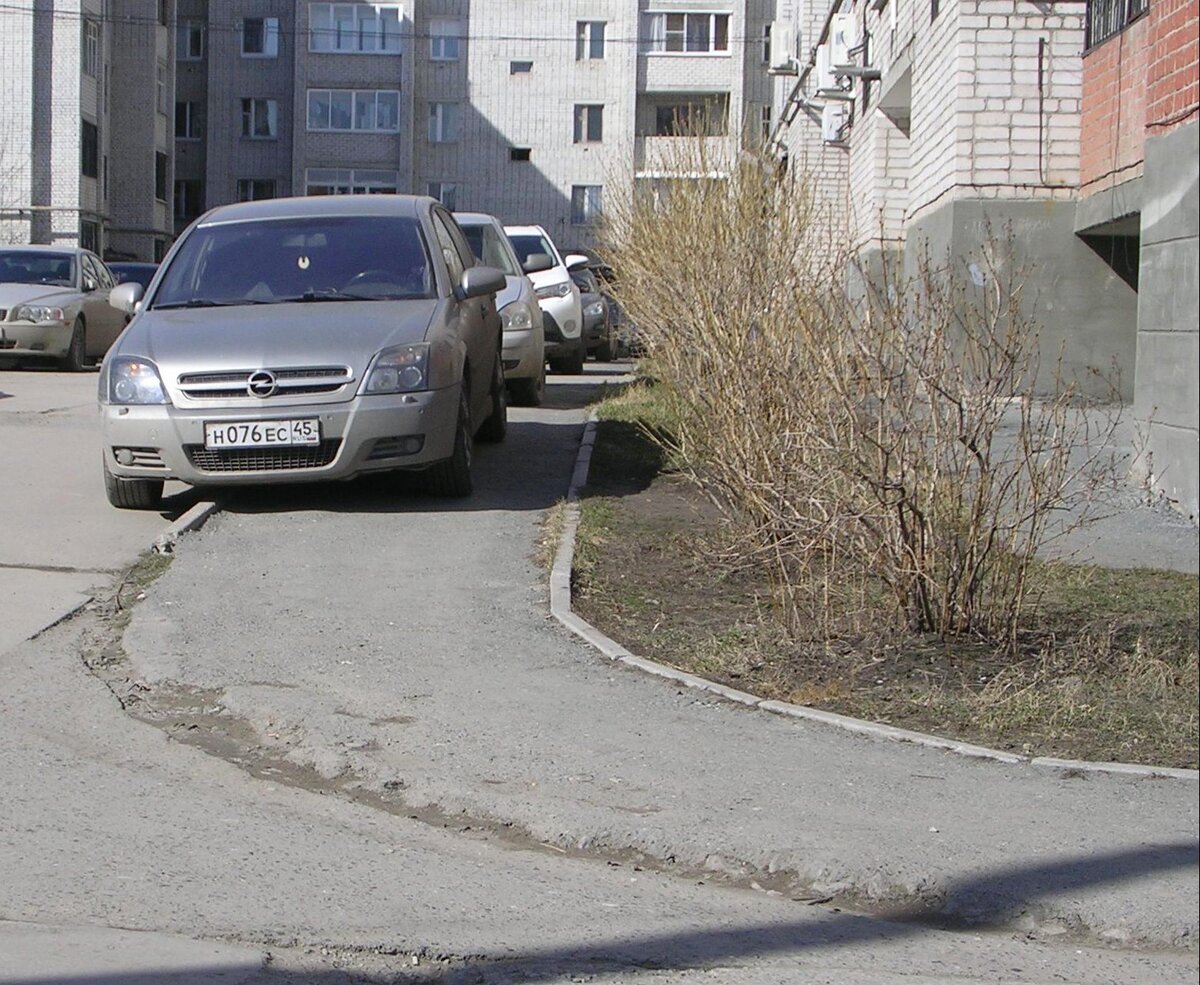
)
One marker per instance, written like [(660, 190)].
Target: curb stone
[(560, 608), (193, 519)]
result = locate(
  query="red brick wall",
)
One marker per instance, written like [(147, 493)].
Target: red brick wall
[(1172, 80), (1113, 124)]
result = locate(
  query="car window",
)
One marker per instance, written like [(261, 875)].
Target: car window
[(37, 267), (107, 280), (314, 258), (450, 251), (489, 247), (90, 269), (527, 244)]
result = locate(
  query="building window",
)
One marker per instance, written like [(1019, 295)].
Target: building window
[(260, 118), (445, 192), (89, 235), (703, 117), (520, 153), (160, 87), (189, 41), (687, 33), (1108, 17), (366, 28), (370, 110), (445, 40), (520, 68), (344, 181), (188, 121), (163, 12), (254, 189), (585, 203), (160, 249), (589, 123), (766, 38), (260, 37), (765, 122), (160, 176), (188, 199), (91, 49), (90, 150), (443, 122), (589, 40)]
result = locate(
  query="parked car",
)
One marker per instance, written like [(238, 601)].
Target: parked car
[(302, 339), (132, 270), (524, 353), (597, 320), (54, 304), (557, 294)]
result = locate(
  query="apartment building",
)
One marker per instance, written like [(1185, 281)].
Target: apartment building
[(950, 126), (84, 141)]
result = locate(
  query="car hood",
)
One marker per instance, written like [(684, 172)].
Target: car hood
[(12, 295), (275, 336)]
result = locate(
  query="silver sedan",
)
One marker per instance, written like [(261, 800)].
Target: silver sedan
[(306, 339)]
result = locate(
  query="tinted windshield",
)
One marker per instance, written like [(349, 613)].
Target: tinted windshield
[(36, 267), (136, 273), (526, 246), (489, 249), (351, 258)]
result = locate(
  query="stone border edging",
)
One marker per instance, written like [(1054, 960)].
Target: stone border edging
[(193, 519), (560, 608)]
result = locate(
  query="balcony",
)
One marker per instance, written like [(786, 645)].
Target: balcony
[(662, 156)]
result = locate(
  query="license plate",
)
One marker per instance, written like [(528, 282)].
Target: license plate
[(262, 434)]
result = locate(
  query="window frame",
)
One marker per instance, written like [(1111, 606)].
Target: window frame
[(354, 95), (269, 37), (381, 35), (192, 117), (1111, 18), (91, 48), (587, 44), (585, 212), (250, 118), (440, 39), (440, 193), (589, 116), (161, 86), (89, 149), (657, 40), (352, 180), (181, 188), (444, 128), (250, 183), (185, 32), (162, 176)]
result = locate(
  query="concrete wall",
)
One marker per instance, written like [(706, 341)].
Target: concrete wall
[(1167, 387)]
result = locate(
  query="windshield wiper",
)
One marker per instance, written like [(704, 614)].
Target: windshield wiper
[(324, 294), (206, 303)]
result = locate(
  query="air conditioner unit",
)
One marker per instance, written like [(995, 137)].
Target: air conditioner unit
[(825, 81), (834, 118), (843, 40), (783, 49)]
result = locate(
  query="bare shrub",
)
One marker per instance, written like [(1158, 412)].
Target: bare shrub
[(873, 434)]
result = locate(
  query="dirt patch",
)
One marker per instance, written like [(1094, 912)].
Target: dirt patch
[(1107, 671)]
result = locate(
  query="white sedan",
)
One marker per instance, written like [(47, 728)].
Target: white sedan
[(54, 304)]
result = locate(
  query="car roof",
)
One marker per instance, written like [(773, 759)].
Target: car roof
[(41, 248), (124, 264), (475, 219), (301, 207), (526, 231)]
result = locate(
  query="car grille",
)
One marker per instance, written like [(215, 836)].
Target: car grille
[(289, 382), (263, 459)]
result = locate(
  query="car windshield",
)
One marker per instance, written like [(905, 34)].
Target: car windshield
[(314, 258), (36, 267), (136, 273), (527, 244), (488, 248)]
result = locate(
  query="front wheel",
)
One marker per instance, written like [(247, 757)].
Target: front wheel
[(75, 361), (572, 363), (132, 494), (451, 477)]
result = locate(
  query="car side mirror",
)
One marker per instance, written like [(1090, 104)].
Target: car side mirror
[(536, 262), (479, 281), (126, 297), (576, 261)]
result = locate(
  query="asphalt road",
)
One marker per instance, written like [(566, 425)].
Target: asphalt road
[(423, 774)]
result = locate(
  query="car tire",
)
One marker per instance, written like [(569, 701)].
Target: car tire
[(75, 361), (530, 392), (132, 494), (451, 477), (604, 351), (570, 364), (495, 427)]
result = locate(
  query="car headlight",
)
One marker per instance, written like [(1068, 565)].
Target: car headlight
[(559, 290), (516, 316), (129, 380), (594, 310), (40, 313), (407, 368)]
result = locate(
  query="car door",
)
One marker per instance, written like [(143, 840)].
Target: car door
[(104, 322), (478, 322)]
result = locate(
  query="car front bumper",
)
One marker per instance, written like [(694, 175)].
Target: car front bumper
[(566, 313), (523, 355), (24, 338), (366, 434)]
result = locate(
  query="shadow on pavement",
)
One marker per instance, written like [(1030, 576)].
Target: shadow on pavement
[(997, 897)]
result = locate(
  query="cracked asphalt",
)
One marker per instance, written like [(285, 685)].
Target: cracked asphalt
[(525, 810)]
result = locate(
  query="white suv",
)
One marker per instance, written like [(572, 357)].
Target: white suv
[(562, 311)]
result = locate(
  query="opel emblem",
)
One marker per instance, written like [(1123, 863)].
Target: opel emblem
[(261, 384)]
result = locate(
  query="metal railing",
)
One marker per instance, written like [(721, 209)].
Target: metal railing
[(1108, 17)]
